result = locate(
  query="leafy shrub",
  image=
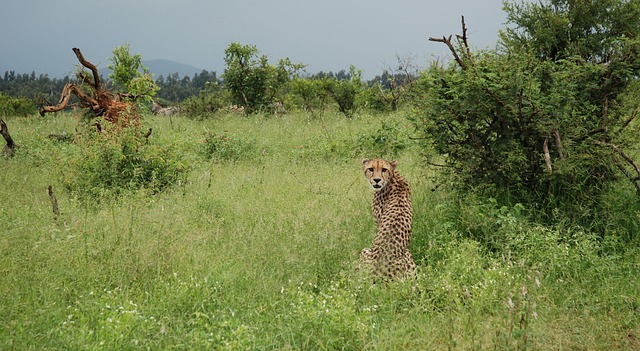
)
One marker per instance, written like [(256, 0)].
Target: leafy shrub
[(19, 106), (310, 94), (345, 92), (542, 121), (374, 98), (252, 81), (228, 147), (208, 101), (387, 141), (113, 161)]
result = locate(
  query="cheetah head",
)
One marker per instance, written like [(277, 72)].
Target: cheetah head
[(378, 172)]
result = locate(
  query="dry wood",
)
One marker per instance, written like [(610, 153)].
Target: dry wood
[(100, 101), (447, 40), (54, 201), (454, 52), (10, 146)]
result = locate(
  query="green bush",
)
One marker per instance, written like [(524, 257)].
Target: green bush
[(541, 121), (252, 81), (310, 94), (208, 101), (387, 141), (113, 161), (19, 106), (345, 92), (374, 99)]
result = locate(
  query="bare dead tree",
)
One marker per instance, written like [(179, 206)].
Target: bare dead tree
[(462, 38), (113, 107), (399, 80)]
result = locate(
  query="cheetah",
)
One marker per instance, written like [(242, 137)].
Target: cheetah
[(389, 256)]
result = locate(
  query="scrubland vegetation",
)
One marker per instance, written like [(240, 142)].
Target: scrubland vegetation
[(254, 245), (237, 223)]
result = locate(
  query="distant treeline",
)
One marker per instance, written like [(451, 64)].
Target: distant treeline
[(174, 88)]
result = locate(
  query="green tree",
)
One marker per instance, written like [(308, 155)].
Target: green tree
[(252, 81), (129, 73), (543, 119), (310, 93), (345, 91)]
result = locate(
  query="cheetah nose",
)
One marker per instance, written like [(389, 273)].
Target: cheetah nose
[(377, 180)]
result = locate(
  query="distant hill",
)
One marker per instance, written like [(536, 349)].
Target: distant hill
[(163, 68), (166, 67)]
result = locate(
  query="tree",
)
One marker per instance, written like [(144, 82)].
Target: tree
[(114, 108), (544, 118), (129, 73), (345, 90), (311, 93), (396, 82), (251, 80)]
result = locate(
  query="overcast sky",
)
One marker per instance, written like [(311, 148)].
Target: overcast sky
[(327, 35)]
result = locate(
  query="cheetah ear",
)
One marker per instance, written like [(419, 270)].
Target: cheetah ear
[(394, 164), (365, 160)]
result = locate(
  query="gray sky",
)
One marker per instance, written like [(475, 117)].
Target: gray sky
[(329, 35)]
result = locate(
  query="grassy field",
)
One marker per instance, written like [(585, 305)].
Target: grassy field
[(254, 247)]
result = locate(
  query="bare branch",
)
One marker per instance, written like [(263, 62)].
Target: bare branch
[(96, 77), (101, 102), (69, 89), (465, 40), (147, 135), (451, 48)]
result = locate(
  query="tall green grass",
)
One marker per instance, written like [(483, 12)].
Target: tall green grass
[(256, 248)]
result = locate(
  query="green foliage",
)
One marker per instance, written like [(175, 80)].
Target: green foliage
[(345, 92), (598, 32), (310, 93), (330, 318), (375, 98), (252, 81), (539, 127), (208, 101), (22, 106), (261, 255), (177, 89), (389, 141), (112, 162), (129, 73)]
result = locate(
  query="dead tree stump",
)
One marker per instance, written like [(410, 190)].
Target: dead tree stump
[(10, 147), (112, 107)]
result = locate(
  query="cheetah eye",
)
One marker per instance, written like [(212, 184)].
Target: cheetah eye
[(370, 169), (384, 170)]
